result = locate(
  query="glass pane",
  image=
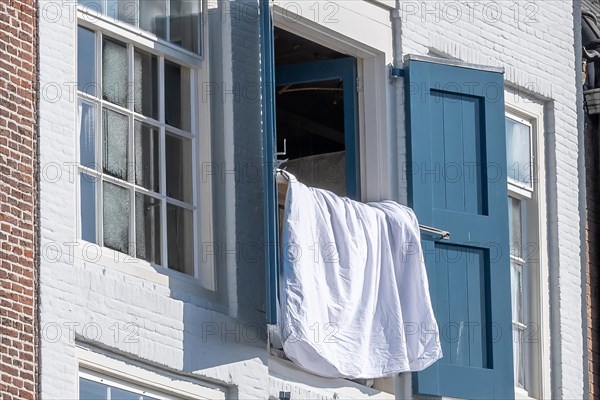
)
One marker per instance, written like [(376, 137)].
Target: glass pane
[(114, 72), (185, 24), (147, 228), (93, 5), (87, 134), (515, 229), (518, 151), (123, 10), (88, 207), (119, 394), (519, 357), (516, 274), (116, 217), (177, 96), (90, 390), (180, 239), (146, 84), (147, 157), (153, 17), (179, 167), (86, 61), (115, 143)]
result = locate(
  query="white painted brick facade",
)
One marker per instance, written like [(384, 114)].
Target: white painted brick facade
[(174, 322)]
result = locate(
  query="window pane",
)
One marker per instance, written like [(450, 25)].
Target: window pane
[(119, 394), (86, 61), (516, 272), (93, 5), (115, 143), (518, 151), (147, 157), (146, 84), (147, 227), (519, 357), (185, 24), (116, 217), (114, 72), (89, 390), (123, 10), (87, 134), (515, 230), (88, 207), (153, 16), (179, 167), (177, 96), (180, 239)]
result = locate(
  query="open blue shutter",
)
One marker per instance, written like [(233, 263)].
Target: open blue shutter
[(457, 182), (268, 126)]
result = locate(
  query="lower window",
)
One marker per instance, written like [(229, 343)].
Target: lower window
[(95, 387)]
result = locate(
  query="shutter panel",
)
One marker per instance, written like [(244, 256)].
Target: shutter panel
[(457, 182)]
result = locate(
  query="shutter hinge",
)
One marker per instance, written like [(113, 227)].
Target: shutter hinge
[(396, 73)]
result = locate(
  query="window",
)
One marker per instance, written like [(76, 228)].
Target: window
[(174, 21), (96, 387), (138, 137), (526, 253)]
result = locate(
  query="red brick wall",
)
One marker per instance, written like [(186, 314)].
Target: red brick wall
[(18, 200), (593, 253)]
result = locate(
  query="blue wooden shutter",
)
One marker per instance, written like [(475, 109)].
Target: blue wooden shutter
[(457, 182), (268, 125)]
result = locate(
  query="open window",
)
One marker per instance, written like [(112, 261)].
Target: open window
[(316, 130)]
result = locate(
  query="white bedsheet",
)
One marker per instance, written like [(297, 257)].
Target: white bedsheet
[(355, 297)]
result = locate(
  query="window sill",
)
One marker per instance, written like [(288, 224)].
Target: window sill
[(345, 389), (522, 394), (176, 282)]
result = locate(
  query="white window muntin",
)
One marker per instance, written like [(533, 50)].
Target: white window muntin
[(99, 103)]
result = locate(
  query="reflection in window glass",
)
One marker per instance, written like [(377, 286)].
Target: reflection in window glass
[(146, 84), (179, 167), (114, 72), (153, 17), (147, 228), (87, 187), (147, 156), (180, 239), (96, 6), (87, 134), (116, 217), (115, 142), (185, 24), (90, 390), (123, 10), (518, 143), (177, 96), (86, 61), (514, 224)]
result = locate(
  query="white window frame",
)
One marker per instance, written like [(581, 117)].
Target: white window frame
[(374, 166), (531, 113), (95, 365), (200, 135)]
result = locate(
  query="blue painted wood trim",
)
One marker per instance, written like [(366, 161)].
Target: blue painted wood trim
[(271, 233), (344, 69)]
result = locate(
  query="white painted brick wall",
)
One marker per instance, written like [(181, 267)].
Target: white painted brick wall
[(538, 56)]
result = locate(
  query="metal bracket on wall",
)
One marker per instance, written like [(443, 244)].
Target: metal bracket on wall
[(396, 73)]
